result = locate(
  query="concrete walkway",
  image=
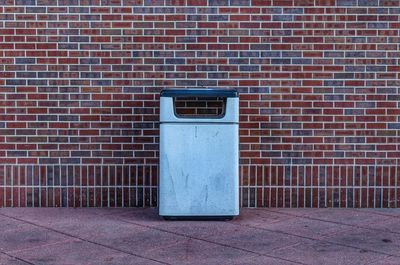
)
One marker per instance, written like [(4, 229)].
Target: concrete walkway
[(258, 236)]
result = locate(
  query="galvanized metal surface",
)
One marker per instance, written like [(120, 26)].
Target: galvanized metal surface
[(199, 163)]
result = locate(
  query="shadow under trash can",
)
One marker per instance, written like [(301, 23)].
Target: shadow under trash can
[(199, 158)]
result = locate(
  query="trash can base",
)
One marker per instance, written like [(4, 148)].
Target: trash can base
[(198, 218)]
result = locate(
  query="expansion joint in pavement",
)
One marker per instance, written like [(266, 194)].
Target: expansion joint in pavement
[(83, 239), (211, 242), (321, 240), (16, 258)]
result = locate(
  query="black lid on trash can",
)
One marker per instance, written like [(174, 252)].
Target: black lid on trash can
[(200, 92)]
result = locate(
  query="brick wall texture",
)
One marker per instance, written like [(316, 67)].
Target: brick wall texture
[(319, 102)]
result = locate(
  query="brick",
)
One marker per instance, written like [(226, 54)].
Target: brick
[(346, 2), (218, 2), (378, 25), (282, 2), (368, 2), (239, 2), (27, 2), (261, 2), (318, 82), (282, 17)]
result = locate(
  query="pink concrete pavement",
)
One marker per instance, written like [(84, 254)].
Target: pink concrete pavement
[(258, 236)]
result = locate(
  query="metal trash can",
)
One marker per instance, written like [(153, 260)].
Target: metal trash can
[(199, 158)]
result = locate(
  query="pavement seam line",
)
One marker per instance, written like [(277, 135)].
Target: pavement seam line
[(85, 240), (322, 240), (381, 214), (383, 259), (45, 245), (200, 239), (319, 240), (211, 242), (17, 258), (338, 223)]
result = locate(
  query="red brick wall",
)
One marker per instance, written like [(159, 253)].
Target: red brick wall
[(319, 84)]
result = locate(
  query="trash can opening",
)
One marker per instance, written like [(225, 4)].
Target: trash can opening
[(199, 107)]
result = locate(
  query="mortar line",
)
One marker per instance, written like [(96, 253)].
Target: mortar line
[(396, 187), (33, 189), (87, 190), (263, 186), (347, 184), (80, 189), (101, 181), (94, 189), (361, 181), (54, 191), (74, 185), (130, 184), (143, 187), (26, 190), (136, 184), (276, 188), (256, 184), (374, 198), (108, 187), (319, 184), (270, 186), (354, 185), (339, 189), (248, 186), (312, 186), (12, 184), (40, 187), (368, 187), (123, 169), (115, 186), (304, 186), (3, 187), (326, 187), (297, 186), (381, 189), (19, 183), (67, 186)]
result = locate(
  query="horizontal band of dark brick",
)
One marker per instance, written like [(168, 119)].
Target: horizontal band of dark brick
[(260, 186)]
